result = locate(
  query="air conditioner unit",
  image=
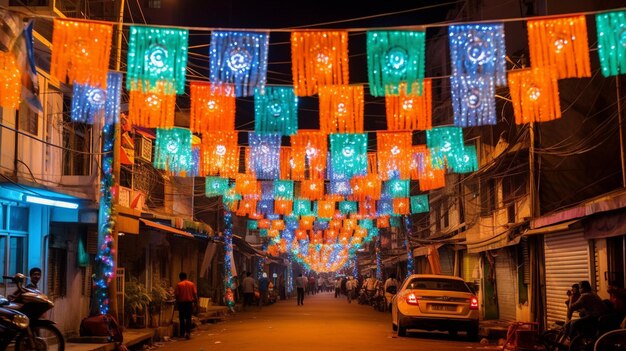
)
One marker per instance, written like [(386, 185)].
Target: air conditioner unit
[(143, 149)]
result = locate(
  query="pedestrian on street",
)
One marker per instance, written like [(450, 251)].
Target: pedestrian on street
[(301, 283), (186, 295), (350, 288), (264, 284), (247, 287)]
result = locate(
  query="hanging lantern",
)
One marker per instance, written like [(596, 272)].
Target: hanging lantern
[(325, 209), (212, 107), (215, 186), (302, 207), (89, 102), (396, 188), (172, 151), (401, 206), (283, 189), (560, 42), (265, 155), (81, 52), (611, 28), (239, 58), (393, 147), (283, 207), (10, 81), (466, 162), (312, 189), (348, 155), (395, 62), (318, 59), (348, 207), (535, 94), (219, 154), (473, 100), (410, 111), (419, 204), (286, 162), (341, 108), (417, 160), (478, 50), (309, 148), (276, 110), (339, 187), (157, 54), (445, 140), (153, 108)]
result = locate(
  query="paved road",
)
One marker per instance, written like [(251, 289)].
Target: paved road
[(322, 323)]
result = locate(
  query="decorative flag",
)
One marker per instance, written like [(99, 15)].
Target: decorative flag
[(301, 207), (219, 154), (466, 162), (393, 148), (81, 52), (90, 102), (286, 162), (560, 42), (325, 209), (367, 207), (312, 189), (366, 223), (10, 87), (410, 111), (276, 110), (267, 190), (384, 207), (535, 94), (339, 187), (245, 184), (419, 204), (309, 152), (154, 108), (341, 108), (156, 55), (239, 58), (252, 224), (212, 107), (473, 100), (395, 62), (318, 59), (478, 50), (401, 206), (283, 207), (445, 140), (265, 154), (611, 27), (396, 188), (348, 207), (283, 189), (348, 156), (366, 187), (172, 151), (215, 186)]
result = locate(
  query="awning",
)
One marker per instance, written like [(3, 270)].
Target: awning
[(493, 243), (423, 250), (165, 228), (560, 227)]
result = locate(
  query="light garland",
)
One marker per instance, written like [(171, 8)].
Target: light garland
[(348, 156), (535, 94), (265, 154), (276, 110), (172, 151), (473, 100), (283, 189), (465, 162), (393, 147), (89, 102), (154, 107), (212, 107), (219, 154), (215, 186), (10, 79), (396, 188), (341, 108), (309, 152), (410, 263), (339, 187), (612, 42), (228, 257), (239, 58), (410, 111), (419, 204)]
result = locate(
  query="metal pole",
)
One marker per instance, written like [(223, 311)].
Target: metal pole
[(621, 132), (531, 161), (118, 41)]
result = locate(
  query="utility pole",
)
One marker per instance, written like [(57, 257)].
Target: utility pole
[(621, 131)]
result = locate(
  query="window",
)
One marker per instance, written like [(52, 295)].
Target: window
[(154, 4), (487, 197), (13, 236), (76, 144), (57, 266)]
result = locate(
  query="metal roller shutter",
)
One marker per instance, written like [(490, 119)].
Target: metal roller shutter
[(567, 260), (506, 285)]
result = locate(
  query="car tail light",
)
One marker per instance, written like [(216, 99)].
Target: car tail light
[(412, 299), (473, 303)]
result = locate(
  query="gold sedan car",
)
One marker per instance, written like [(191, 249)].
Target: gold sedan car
[(435, 302)]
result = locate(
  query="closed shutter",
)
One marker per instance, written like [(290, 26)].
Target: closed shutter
[(567, 260), (446, 261), (506, 284)]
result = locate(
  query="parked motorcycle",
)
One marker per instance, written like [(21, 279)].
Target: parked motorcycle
[(41, 334), (12, 323)]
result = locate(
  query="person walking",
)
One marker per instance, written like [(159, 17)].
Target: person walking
[(264, 284), (186, 295), (247, 286), (301, 283), (350, 288), (391, 288)]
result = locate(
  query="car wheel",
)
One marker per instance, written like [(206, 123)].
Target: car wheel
[(472, 332)]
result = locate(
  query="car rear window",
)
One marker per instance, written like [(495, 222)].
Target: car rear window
[(438, 284)]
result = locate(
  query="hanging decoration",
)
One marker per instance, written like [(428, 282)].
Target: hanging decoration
[(309, 152), (395, 62), (265, 207), (219, 154), (172, 151), (80, 52), (89, 102), (306, 222), (348, 207), (325, 209), (611, 27), (396, 188), (341, 108), (283, 207), (410, 263), (153, 108), (445, 140), (312, 189), (473, 100), (367, 208), (283, 189), (382, 222), (265, 154), (384, 207), (252, 224), (401, 206), (286, 162), (10, 78), (155, 55), (535, 94), (228, 260), (560, 42), (301, 207), (410, 111), (429, 176), (478, 50), (212, 107), (339, 187), (215, 186), (366, 187), (318, 58), (267, 190), (465, 162), (245, 184), (239, 58), (276, 110), (393, 148), (246, 207), (366, 223), (348, 156), (419, 204)]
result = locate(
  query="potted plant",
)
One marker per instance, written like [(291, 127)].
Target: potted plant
[(162, 304), (136, 302)]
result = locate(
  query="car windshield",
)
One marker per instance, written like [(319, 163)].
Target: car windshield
[(438, 284)]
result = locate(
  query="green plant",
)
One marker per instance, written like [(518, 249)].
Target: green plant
[(136, 298), (160, 294)]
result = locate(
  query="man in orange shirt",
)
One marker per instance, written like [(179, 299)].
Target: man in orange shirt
[(186, 295)]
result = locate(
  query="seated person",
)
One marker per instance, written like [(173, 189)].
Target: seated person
[(589, 306)]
